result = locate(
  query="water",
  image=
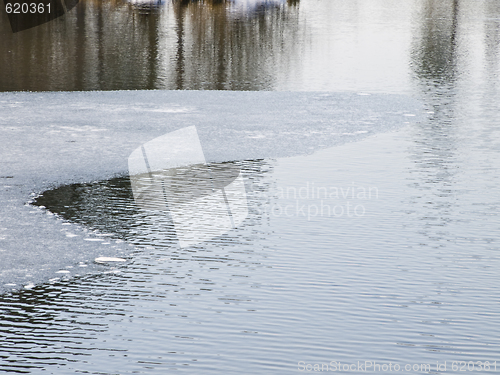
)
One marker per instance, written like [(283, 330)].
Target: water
[(410, 278), (405, 273), (265, 45)]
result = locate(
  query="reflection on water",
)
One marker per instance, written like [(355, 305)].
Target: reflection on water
[(251, 45), (435, 63), (150, 45), (110, 206), (435, 54)]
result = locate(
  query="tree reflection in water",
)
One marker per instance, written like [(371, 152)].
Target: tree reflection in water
[(142, 44)]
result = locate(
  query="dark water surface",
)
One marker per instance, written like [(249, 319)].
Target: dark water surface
[(406, 273)]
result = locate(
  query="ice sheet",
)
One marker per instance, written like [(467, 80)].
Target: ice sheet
[(50, 139)]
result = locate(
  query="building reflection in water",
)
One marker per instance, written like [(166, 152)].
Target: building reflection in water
[(135, 44)]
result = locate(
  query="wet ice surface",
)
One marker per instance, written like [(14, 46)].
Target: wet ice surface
[(51, 139)]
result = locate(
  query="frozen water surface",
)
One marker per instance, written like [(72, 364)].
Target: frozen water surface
[(51, 139)]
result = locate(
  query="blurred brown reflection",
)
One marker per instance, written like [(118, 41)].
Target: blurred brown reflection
[(225, 47), (141, 44), (221, 45)]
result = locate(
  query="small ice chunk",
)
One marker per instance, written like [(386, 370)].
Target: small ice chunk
[(108, 259), (62, 271)]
